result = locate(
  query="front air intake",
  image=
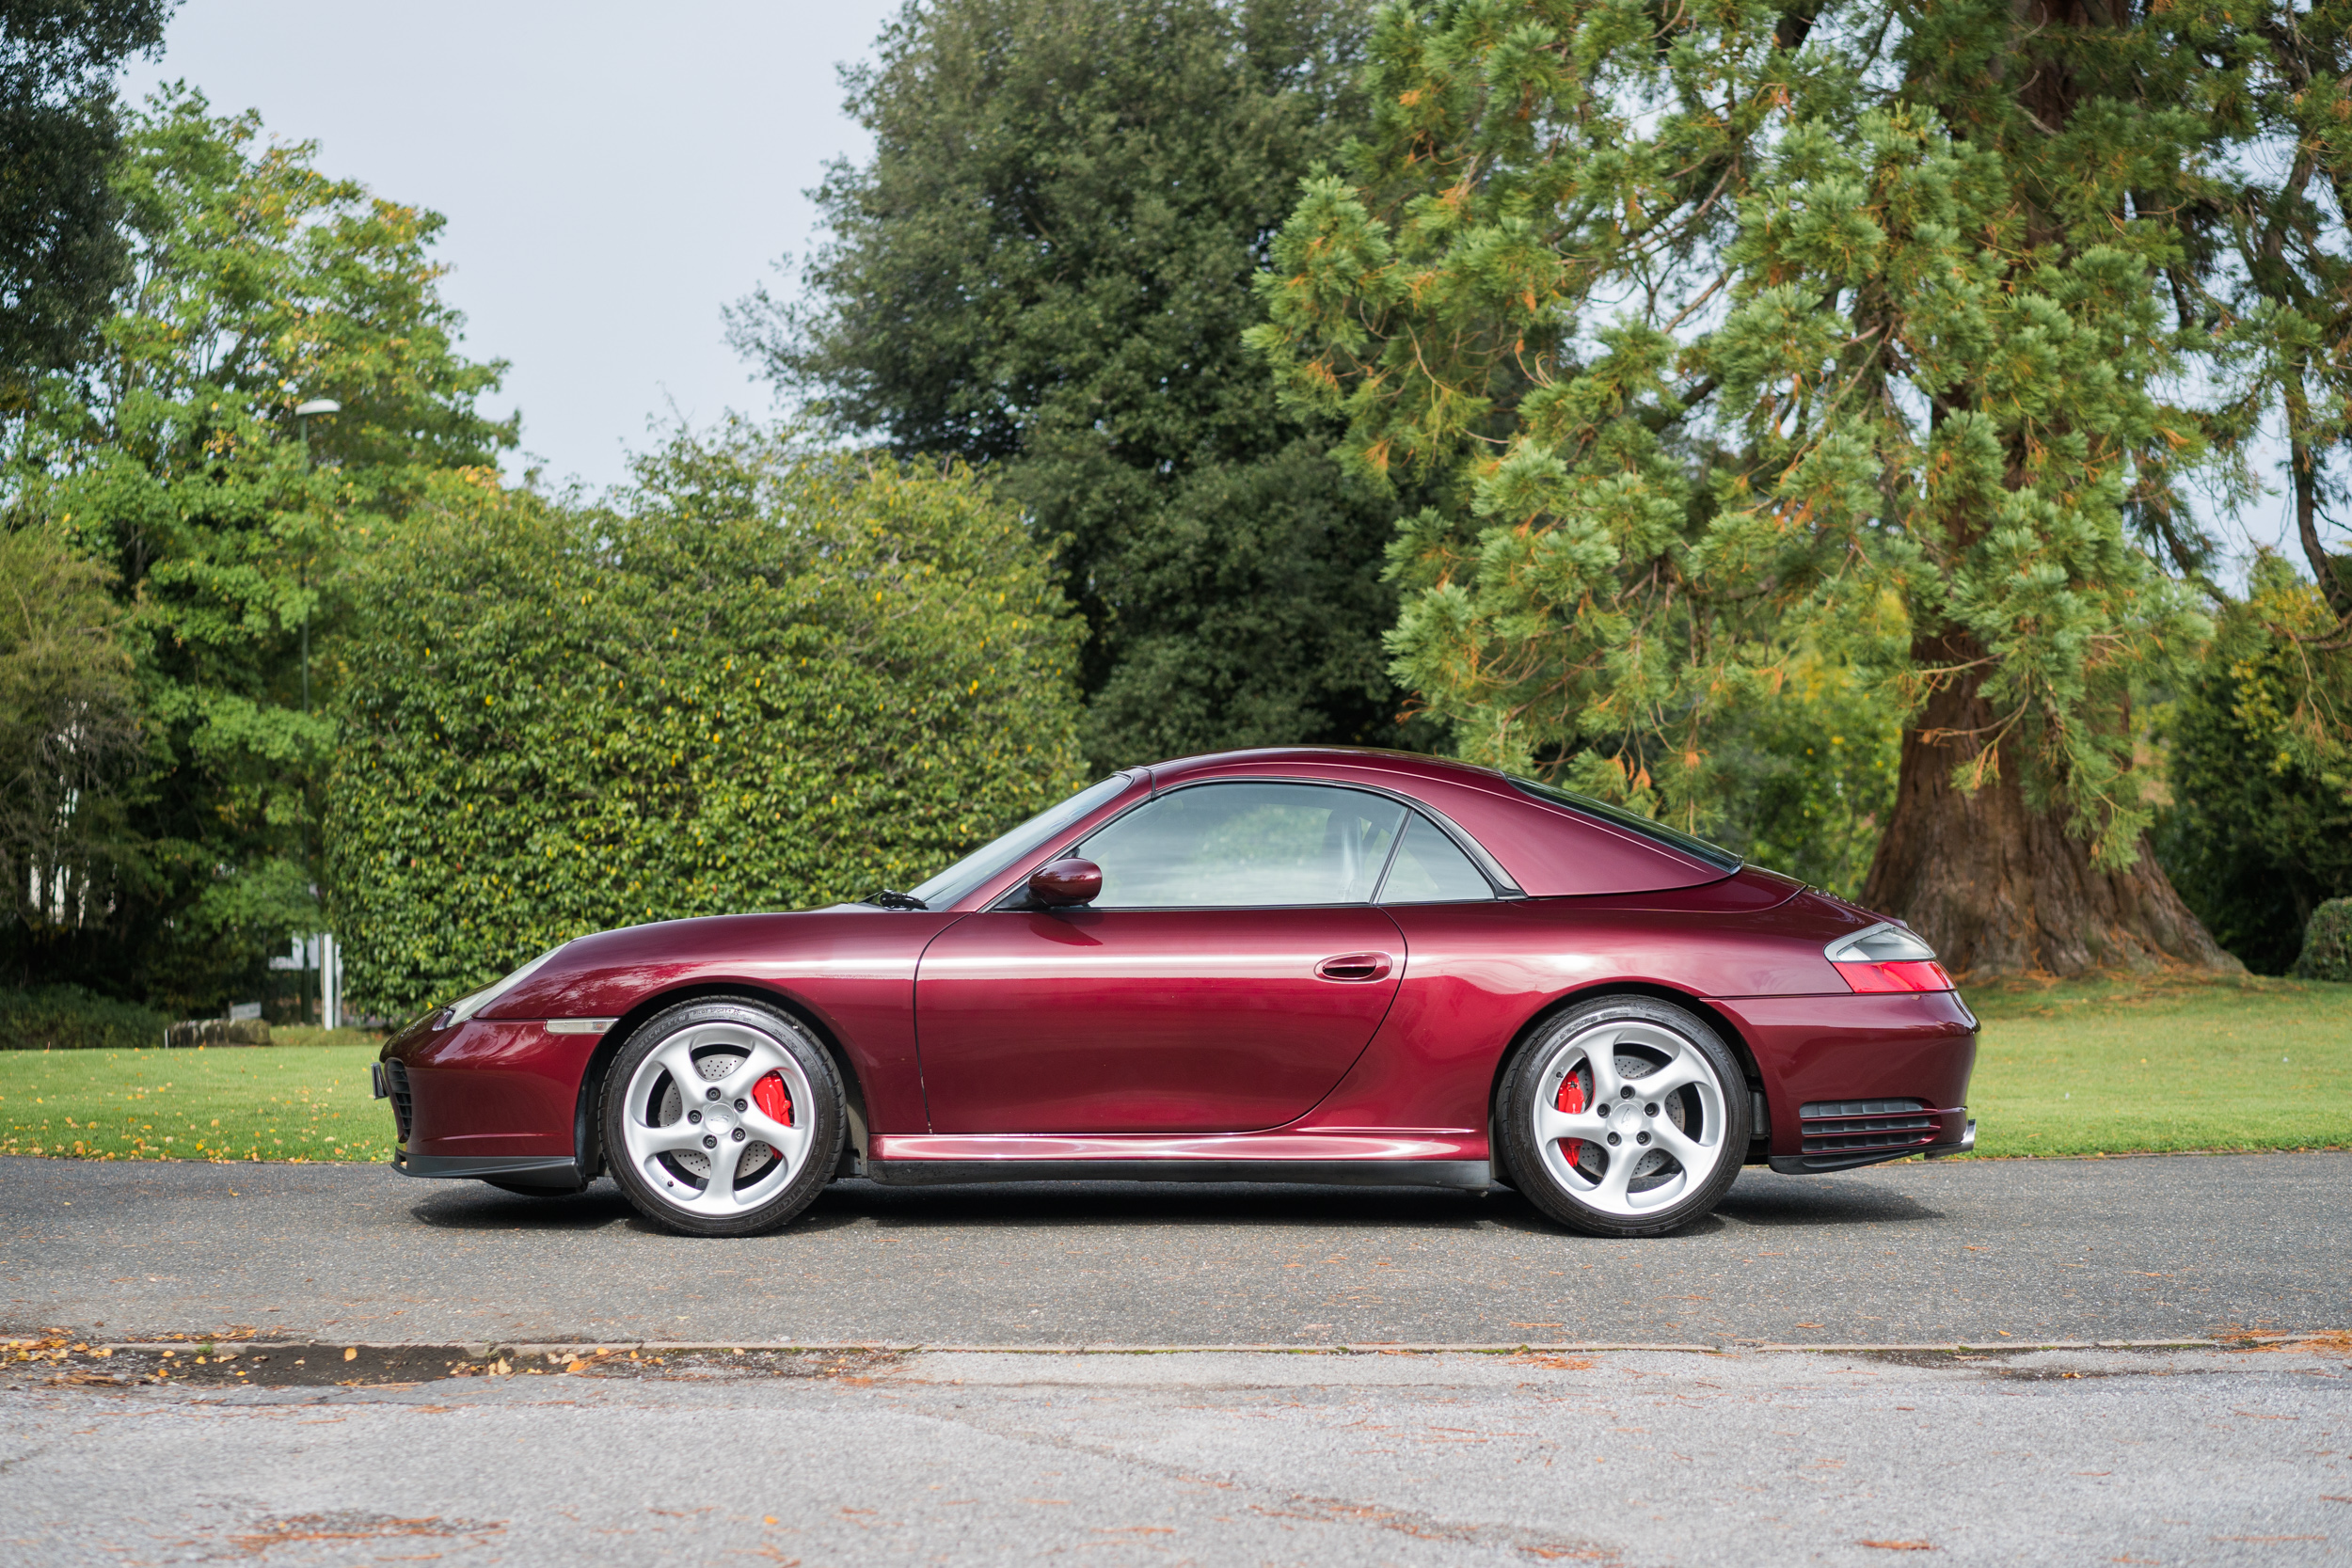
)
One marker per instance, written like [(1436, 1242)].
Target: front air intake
[(396, 1079), (1857, 1126)]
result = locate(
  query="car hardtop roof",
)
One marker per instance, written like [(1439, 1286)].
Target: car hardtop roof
[(1543, 846), (1314, 760)]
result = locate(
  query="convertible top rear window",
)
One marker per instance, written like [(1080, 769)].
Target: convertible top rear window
[(1634, 822)]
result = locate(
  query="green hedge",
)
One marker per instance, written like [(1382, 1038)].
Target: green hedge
[(67, 1018), (764, 680), (2327, 943)]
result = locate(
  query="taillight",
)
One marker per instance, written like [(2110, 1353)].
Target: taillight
[(1888, 958)]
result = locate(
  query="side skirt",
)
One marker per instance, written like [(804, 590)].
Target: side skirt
[(1468, 1174)]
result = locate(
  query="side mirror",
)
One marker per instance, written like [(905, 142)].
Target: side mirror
[(1066, 884)]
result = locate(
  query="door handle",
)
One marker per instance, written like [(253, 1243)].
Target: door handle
[(1356, 966)]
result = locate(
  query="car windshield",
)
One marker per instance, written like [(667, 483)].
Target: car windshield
[(1713, 854), (1001, 853)]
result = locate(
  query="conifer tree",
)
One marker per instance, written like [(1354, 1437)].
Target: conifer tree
[(1742, 335)]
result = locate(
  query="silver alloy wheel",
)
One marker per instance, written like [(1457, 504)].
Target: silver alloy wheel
[(695, 1130), (1651, 1091)]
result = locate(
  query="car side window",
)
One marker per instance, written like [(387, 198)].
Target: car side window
[(1431, 869), (1228, 846)]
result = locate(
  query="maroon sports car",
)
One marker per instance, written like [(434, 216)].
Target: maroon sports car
[(1301, 965)]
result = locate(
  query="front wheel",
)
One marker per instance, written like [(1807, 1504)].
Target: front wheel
[(721, 1117), (1625, 1116)]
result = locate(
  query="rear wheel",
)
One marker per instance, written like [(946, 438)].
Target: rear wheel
[(1625, 1116), (721, 1117)]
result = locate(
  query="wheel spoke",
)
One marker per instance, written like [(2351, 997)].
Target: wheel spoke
[(718, 1194), (679, 1137), (761, 1058), (1611, 1188), (1602, 1058), (1552, 1124), (790, 1143), (1695, 1157), (1681, 1072), (677, 1058)]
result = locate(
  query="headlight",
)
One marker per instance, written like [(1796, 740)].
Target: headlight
[(466, 1007)]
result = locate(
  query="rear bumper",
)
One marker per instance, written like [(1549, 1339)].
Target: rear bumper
[(1816, 1165), (1821, 1058)]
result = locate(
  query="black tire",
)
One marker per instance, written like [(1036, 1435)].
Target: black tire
[(709, 1030), (1703, 1118)]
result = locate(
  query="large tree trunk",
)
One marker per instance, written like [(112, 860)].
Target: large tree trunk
[(1999, 887)]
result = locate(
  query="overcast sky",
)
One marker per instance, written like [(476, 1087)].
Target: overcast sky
[(612, 174)]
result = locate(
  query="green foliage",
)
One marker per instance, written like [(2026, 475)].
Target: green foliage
[(1737, 338), (67, 1018), (763, 678), (1810, 777), (2259, 830), (1045, 270), (69, 741), (175, 458), (61, 253), (2327, 943)]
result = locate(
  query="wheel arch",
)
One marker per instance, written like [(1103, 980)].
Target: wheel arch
[(586, 1136), (1716, 1018)]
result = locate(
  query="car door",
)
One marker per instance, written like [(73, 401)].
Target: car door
[(1228, 974)]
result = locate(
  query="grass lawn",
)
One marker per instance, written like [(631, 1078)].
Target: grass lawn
[(257, 1103), (2113, 1066), (2108, 1066)]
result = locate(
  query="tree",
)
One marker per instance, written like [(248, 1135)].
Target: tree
[(62, 254), (1742, 336), (1045, 270), (68, 743), (175, 459), (770, 678), (2258, 832)]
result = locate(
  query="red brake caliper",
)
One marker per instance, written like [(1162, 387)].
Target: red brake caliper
[(773, 1099), (1572, 1101)]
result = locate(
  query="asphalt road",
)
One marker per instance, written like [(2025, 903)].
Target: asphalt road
[(1637, 1458), (2128, 1249)]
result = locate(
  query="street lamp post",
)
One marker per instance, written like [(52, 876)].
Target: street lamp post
[(330, 988), (302, 412)]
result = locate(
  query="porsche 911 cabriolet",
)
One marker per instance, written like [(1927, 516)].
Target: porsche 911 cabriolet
[(1315, 965)]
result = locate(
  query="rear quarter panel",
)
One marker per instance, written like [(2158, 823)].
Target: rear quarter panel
[(1747, 948)]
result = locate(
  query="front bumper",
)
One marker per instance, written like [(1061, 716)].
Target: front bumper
[(558, 1174)]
